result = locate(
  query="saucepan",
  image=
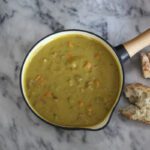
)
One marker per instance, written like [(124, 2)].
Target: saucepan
[(121, 53)]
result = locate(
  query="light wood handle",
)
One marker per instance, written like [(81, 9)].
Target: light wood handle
[(138, 43)]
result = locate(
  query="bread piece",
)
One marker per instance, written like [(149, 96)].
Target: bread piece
[(134, 113), (145, 60), (138, 94), (139, 97)]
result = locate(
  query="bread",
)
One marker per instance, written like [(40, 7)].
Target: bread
[(145, 60), (138, 94), (139, 97), (134, 113)]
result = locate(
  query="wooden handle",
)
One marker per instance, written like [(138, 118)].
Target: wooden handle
[(138, 43)]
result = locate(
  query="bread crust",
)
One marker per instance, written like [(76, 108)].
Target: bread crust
[(145, 61)]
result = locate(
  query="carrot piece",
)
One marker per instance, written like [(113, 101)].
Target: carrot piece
[(87, 65), (47, 94), (70, 44), (97, 83), (97, 55), (69, 57), (81, 103)]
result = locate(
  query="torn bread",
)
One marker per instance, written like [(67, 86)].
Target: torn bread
[(134, 113), (139, 97), (138, 94), (145, 60)]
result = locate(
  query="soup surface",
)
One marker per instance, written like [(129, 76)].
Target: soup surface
[(72, 81)]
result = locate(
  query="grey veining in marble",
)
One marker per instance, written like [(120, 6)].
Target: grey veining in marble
[(22, 23)]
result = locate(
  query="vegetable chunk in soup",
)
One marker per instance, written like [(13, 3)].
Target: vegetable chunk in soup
[(72, 81)]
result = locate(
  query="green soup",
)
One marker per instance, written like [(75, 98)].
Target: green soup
[(72, 81)]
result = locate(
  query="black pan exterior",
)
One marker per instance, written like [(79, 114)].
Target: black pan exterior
[(70, 128), (122, 53)]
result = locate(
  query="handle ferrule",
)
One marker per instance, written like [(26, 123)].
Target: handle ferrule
[(122, 53)]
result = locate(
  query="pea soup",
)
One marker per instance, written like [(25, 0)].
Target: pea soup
[(72, 81)]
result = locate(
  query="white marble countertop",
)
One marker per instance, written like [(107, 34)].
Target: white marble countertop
[(22, 23)]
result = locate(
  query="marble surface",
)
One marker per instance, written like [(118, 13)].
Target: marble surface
[(22, 23)]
